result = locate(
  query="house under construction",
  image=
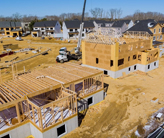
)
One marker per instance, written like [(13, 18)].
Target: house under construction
[(45, 103), (117, 55)]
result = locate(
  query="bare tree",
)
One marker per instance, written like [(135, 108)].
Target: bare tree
[(119, 13)]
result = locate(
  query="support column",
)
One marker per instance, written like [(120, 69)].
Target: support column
[(18, 113)]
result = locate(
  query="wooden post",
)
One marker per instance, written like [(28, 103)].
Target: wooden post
[(40, 118), (13, 71), (24, 69), (18, 113), (102, 81), (76, 103), (83, 86), (0, 76)]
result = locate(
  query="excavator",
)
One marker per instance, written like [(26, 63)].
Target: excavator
[(65, 55)]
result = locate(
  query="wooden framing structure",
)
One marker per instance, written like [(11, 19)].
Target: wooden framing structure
[(48, 96)]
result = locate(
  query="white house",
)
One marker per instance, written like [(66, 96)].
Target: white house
[(46, 28), (71, 29)]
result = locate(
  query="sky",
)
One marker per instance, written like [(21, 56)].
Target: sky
[(56, 7)]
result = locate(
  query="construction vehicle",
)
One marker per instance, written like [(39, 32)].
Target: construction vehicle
[(65, 55)]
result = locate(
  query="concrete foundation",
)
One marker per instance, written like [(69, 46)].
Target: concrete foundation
[(29, 129), (127, 70)]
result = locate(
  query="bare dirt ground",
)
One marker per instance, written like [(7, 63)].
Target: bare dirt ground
[(128, 102), (40, 61), (127, 106)]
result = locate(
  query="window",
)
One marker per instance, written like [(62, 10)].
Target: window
[(6, 136), (135, 67), (11, 28), (51, 28), (142, 46), (161, 37), (71, 30), (71, 35), (7, 28), (129, 58), (139, 57), (148, 66), (52, 32), (8, 33), (154, 31), (129, 68), (26, 24), (120, 62), (1, 28), (105, 72), (159, 30), (154, 63), (47, 28), (111, 63), (134, 56), (154, 38), (75, 30), (42, 28), (61, 130), (36, 28), (90, 100), (157, 37), (97, 60), (82, 34)]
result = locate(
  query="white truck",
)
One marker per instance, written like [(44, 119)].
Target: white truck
[(65, 55)]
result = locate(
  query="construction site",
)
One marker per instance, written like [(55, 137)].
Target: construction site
[(48, 99), (106, 83)]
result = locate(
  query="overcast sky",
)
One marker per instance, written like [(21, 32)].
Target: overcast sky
[(56, 7)]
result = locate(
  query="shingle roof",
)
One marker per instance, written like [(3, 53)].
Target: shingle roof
[(157, 42), (7, 24), (147, 20), (118, 24), (126, 21), (160, 21), (76, 24), (45, 24), (142, 25), (103, 21)]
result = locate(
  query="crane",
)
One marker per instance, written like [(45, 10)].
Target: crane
[(65, 55)]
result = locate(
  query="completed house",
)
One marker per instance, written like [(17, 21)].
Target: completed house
[(8, 28), (71, 29), (46, 28)]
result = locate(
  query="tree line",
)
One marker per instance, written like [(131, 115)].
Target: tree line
[(96, 13)]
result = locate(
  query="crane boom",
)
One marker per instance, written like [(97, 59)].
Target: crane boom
[(81, 28)]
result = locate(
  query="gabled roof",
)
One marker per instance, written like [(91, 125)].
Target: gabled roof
[(76, 24), (8, 24), (147, 20), (118, 23), (126, 21), (103, 21), (160, 22), (144, 25), (45, 24)]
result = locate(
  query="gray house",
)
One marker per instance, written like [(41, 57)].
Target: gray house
[(46, 28), (71, 29), (129, 23)]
